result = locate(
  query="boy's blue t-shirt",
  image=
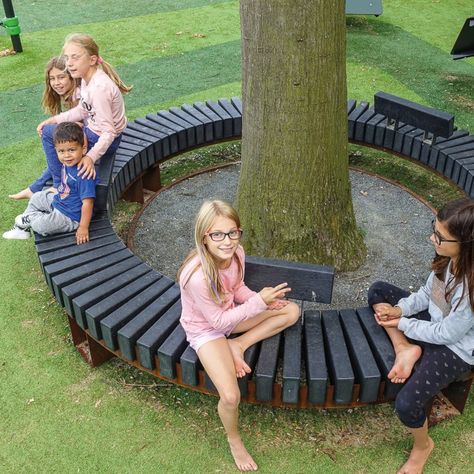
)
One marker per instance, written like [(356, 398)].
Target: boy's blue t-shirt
[(72, 190)]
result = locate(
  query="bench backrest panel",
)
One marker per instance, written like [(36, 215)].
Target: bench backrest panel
[(308, 282), (426, 118)]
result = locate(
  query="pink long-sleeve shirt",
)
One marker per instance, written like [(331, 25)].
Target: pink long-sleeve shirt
[(102, 109), (201, 317)]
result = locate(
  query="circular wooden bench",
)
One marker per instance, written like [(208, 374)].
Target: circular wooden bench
[(117, 305)]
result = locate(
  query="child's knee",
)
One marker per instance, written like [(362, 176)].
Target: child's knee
[(293, 312), (230, 398)]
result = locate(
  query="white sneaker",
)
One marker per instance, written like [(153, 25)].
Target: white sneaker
[(23, 222), (17, 234)]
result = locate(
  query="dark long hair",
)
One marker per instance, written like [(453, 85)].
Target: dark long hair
[(458, 218)]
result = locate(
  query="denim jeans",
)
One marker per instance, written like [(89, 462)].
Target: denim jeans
[(54, 165)]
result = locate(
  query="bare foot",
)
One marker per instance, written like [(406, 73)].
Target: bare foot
[(241, 367), (242, 458), (25, 194), (417, 459), (404, 361)]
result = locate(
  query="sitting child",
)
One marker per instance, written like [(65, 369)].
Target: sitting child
[(72, 206)]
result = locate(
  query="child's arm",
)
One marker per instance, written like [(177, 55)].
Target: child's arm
[(448, 330), (82, 233), (419, 301), (216, 315)]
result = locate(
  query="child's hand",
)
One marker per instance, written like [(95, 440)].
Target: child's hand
[(386, 312), (388, 323), (82, 235), (272, 293), (40, 127), (86, 168), (278, 304)]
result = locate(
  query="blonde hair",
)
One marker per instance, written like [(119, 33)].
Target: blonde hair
[(52, 102), (88, 43), (206, 216)]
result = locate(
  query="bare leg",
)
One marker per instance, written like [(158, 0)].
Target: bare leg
[(406, 355), (422, 447), (218, 362), (24, 194), (262, 326)]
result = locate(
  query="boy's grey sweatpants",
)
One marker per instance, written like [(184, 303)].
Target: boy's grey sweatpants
[(44, 218)]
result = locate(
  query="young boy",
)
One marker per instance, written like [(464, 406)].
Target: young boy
[(71, 207)]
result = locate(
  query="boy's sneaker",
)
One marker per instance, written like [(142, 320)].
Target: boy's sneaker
[(17, 234), (23, 222)]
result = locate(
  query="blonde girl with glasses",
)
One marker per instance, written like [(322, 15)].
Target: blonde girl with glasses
[(101, 106), (216, 303), (432, 330), (61, 92)]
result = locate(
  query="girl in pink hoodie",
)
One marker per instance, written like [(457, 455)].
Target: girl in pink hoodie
[(216, 303), (101, 107)]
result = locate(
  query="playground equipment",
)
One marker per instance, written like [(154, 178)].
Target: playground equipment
[(364, 7), (11, 25), (464, 45)]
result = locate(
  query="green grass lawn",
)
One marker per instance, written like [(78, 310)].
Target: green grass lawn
[(57, 414)]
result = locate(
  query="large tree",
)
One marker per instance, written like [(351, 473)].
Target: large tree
[(294, 191)]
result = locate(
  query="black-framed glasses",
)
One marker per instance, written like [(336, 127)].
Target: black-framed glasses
[(220, 236), (439, 239)]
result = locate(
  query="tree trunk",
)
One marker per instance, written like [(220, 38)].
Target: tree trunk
[(294, 196)]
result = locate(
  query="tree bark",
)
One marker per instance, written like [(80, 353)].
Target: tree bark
[(294, 195)]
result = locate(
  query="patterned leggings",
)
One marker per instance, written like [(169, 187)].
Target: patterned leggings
[(437, 367)]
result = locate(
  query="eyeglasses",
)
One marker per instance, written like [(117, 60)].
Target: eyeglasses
[(73, 57), (220, 236), (439, 239)]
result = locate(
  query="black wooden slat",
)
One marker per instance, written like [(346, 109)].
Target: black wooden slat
[(265, 371), (100, 310), (170, 351), (61, 254), (235, 114), (82, 294), (351, 103), (85, 270), (371, 127), (196, 125), (363, 362), (400, 136), (457, 145), (224, 115), (408, 141), (190, 366), (237, 103), (176, 120), (308, 282), (379, 134), (353, 116), (72, 262), (315, 357), (292, 363), (206, 121), (97, 223), (361, 122), (131, 332), (70, 240), (122, 315), (217, 122), (159, 123), (461, 160), (149, 342), (381, 346), (339, 363)]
